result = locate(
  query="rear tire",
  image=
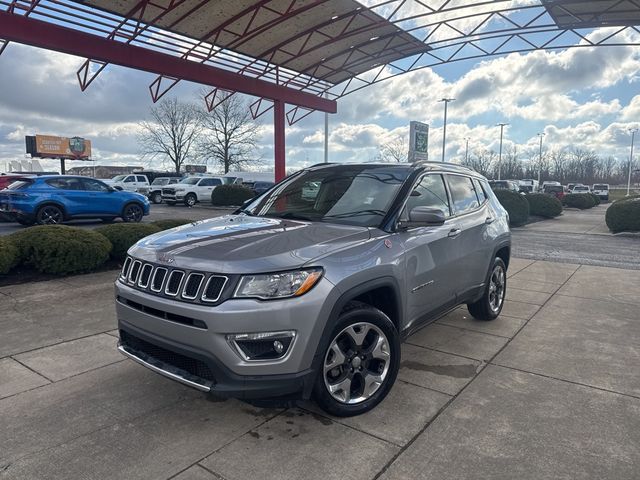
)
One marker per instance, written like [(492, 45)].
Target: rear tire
[(360, 364), (490, 304), (49, 215)]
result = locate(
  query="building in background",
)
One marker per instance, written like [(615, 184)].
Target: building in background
[(99, 171)]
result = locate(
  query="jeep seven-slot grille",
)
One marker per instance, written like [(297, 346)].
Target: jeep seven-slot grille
[(178, 284), (193, 366)]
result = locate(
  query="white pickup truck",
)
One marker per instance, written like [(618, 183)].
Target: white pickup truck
[(192, 190), (131, 182)]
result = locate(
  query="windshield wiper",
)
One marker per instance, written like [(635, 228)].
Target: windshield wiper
[(358, 213), (292, 216), (246, 212)]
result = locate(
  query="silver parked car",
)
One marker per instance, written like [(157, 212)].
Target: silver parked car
[(310, 288)]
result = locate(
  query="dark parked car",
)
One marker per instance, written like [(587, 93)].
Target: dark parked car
[(55, 199), (314, 284), (504, 185), (258, 188)]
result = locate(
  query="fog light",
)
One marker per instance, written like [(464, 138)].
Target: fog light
[(262, 346)]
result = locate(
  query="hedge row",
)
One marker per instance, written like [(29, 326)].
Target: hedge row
[(515, 204), (543, 205), (624, 215), (581, 200), (231, 195), (62, 250)]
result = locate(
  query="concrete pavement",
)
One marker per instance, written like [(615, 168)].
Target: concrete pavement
[(548, 390)]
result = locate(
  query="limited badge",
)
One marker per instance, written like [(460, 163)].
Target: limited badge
[(387, 243)]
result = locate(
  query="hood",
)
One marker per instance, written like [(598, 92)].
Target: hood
[(245, 244)]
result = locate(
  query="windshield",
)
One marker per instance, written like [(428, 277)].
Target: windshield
[(349, 194), (601, 187), (160, 181), (499, 184), (118, 178), (580, 189), (190, 181)]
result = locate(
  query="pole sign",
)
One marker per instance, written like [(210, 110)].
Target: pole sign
[(49, 146), (418, 141)]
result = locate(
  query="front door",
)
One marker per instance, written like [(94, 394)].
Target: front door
[(427, 254)]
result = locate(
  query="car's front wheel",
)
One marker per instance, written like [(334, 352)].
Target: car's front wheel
[(360, 364), (490, 304), (49, 215), (132, 213), (156, 198), (190, 200)]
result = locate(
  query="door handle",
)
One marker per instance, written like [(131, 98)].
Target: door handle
[(489, 220), (454, 232)]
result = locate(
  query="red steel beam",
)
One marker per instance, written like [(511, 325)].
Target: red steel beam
[(279, 140), (41, 34)]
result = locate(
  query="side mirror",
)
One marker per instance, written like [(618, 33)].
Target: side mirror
[(424, 217)]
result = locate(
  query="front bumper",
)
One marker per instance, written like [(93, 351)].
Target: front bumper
[(228, 373)]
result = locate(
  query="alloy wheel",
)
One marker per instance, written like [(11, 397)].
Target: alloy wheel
[(50, 215), (133, 213), (356, 363), (496, 288)]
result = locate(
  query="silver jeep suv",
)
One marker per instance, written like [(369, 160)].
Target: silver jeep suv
[(310, 288)]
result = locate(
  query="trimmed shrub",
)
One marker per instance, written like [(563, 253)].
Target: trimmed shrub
[(123, 235), (544, 205), (578, 200), (171, 223), (596, 199), (60, 249), (231, 195), (624, 215), (515, 204), (9, 255)]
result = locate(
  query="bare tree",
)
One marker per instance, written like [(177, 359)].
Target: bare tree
[(480, 161), (230, 135), (395, 150), (171, 133)]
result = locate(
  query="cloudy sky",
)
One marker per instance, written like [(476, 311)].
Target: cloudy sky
[(584, 97)]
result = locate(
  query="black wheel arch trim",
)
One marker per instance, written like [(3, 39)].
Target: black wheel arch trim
[(55, 203), (343, 300)]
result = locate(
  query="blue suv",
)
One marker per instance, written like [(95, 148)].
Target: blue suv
[(51, 199)]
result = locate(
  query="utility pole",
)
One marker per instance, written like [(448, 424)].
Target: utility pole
[(326, 133), (466, 150), (633, 135), (444, 130), (540, 158), (501, 125)]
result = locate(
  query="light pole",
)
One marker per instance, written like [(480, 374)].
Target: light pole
[(444, 131), (633, 136), (466, 150), (540, 158), (501, 125)]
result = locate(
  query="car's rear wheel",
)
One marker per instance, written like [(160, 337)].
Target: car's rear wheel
[(132, 213), (490, 305), (360, 364), (49, 215), (156, 198), (190, 200)]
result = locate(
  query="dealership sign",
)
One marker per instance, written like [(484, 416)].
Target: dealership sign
[(49, 146), (418, 141)]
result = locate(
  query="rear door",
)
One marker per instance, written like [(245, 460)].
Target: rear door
[(469, 243), (72, 194), (427, 253), (205, 188)]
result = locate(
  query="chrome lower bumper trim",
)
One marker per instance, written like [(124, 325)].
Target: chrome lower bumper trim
[(166, 373)]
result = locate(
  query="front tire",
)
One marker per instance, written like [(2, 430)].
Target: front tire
[(360, 364), (132, 213), (190, 200), (156, 198), (490, 304)]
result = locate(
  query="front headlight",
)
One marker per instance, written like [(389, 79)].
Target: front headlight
[(179, 189), (278, 285)]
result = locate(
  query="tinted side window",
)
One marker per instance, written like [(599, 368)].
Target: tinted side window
[(430, 192), (66, 183), (463, 193), (141, 179), (208, 182), (482, 196), (130, 179), (94, 185)]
